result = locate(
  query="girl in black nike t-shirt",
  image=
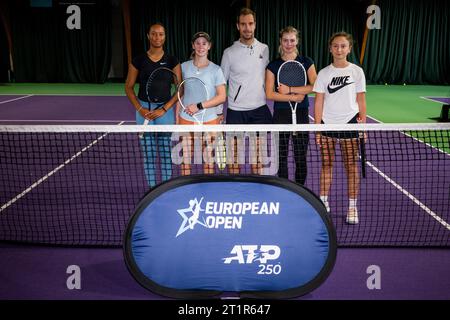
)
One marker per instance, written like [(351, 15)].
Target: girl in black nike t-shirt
[(340, 98)]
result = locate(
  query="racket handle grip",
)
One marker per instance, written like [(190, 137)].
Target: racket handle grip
[(294, 118), (141, 135)]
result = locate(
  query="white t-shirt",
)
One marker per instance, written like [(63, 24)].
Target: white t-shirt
[(340, 86), (244, 68), (212, 76)]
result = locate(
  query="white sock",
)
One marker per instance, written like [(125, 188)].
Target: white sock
[(352, 203), (325, 202)]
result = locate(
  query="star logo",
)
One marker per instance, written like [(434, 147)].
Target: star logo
[(191, 216)]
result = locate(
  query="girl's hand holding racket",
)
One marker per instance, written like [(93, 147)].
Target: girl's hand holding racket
[(144, 112), (192, 109), (298, 97), (147, 114), (155, 114), (362, 120), (283, 89)]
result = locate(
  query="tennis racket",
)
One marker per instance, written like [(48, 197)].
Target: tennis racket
[(362, 151), (192, 91), (292, 74), (159, 88)]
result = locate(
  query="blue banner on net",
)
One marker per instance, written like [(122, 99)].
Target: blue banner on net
[(199, 236)]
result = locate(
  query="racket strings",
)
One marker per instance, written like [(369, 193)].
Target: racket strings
[(292, 75), (192, 91), (159, 85)]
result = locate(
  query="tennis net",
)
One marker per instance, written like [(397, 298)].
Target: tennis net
[(79, 185)]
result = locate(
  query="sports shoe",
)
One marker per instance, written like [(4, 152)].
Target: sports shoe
[(352, 216)]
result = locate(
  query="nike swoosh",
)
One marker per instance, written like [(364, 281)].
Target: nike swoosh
[(162, 63), (333, 90)]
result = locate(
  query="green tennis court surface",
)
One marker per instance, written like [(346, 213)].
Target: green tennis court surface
[(89, 89)]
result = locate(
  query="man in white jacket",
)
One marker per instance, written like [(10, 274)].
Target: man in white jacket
[(243, 65)]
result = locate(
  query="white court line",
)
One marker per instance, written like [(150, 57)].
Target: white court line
[(417, 139), (15, 99), (426, 143), (433, 214), (435, 101), (48, 175)]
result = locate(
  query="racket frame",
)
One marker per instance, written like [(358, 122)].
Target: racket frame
[(147, 93), (181, 87), (293, 109)]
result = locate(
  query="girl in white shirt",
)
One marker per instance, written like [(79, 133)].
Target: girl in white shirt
[(340, 98), (212, 76)]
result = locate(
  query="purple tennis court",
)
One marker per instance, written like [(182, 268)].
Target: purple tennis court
[(100, 179), (443, 100), (42, 109), (30, 272)]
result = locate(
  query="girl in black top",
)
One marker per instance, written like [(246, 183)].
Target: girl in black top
[(281, 94), (139, 70)]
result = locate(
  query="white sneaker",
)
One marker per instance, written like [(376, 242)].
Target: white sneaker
[(327, 206), (352, 216)]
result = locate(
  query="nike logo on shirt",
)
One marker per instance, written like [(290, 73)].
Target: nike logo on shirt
[(163, 63), (340, 82)]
